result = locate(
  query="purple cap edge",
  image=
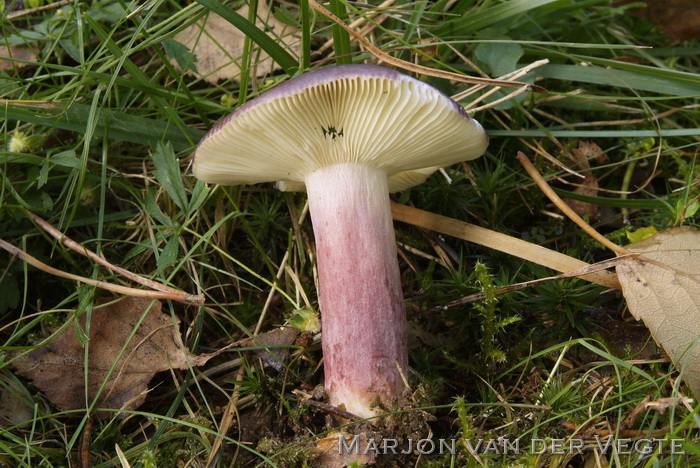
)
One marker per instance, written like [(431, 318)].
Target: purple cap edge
[(317, 76)]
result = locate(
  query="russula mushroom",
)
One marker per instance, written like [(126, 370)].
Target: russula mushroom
[(397, 182), (344, 132)]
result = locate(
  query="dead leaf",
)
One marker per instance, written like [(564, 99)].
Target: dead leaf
[(662, 404), (585, 151), (16, 405), (628, 340), (430, 49), (275, 343), (679, 19), (589, 185), (58, 368), (334, 453), (218, 45), (662, 288), (10, 55)]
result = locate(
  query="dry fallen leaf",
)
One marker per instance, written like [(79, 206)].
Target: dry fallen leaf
[(662, 404), (218, 45), (679, 19), (58, 368), (16, 405), (10, 55), (589, 185), (628, 340), (273, 346), (662, 288), (332, 453)]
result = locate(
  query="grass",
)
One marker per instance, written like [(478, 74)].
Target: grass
[(103, 126)]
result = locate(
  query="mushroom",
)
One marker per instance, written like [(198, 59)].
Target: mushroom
[(397, 182), (344, 132)]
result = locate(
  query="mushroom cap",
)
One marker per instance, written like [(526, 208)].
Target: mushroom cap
[(363, 114)]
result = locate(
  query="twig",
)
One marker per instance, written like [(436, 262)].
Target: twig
[(634, 415), (508, 77), (30, 11), (505, 98), (84, 444), (70, 243), (330, 409), (271, 294), (631, 433), (571, 214), (116, 288), (527, 284)]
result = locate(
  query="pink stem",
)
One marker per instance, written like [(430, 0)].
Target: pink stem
[(362, 310)]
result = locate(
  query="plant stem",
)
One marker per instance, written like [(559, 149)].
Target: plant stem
[(116, 288)]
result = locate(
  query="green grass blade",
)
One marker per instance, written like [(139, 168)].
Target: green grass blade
[(412, 25), (117, 125), (655, 82), (305, 52), (169, 175), (341, 38), (489, 16), (136, 73), (246, 57), (675, 76)]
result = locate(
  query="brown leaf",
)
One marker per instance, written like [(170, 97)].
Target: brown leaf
[(273, 345), (589, 186), (16, 405), (58, 368), (662, 288), (628, 340), (218, 45), (334, 453), (10, 55), (679, 19), (662, 404)]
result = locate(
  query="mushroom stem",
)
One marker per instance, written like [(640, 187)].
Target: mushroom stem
[(362, 309)]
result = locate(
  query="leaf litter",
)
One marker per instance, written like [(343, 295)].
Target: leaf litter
[(582, 155), (9, 56), (660, 279), (662, 288), (129, 341), (218, 46), (679, 19)]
